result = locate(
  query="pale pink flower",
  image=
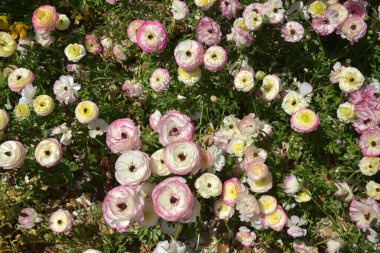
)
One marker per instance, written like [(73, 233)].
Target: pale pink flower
[(173, 200), (208, 31), (19, 78), (353, 29), (189, 54), (292, 31), (245, 236), (132, 29), (65, 90), (123, 135), (365, 212), (174, 126), (230, 8), (48, 152), (154, 119), (121, 206), (152, 36), (12, 155), (132, 168), (45, 18), (356, 8), (28, 218), (231, 188), (92, 44), (240, 37), (344, 191), (291, 185), (159, 80), (132, 89), (182, 157), (61, 221), (369, 143), (326, 25), (215, 58)]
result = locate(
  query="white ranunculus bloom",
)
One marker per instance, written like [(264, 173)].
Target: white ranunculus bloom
[(132, 167), (350, 79), (66, 132), (65, 90), (179, 9), (157, 163), (48, 152), (63, 22), (244, 80), (293, 101), (208, 185), (12, 154), (223, 211), (182, 157), (97, 127)]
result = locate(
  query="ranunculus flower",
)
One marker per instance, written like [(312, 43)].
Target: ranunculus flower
[(293, 101), (174, 126), (43, 105), (119, 52), (353, 29), (121, 206), (132, 29), (150, 217), (157, 163), (292, 31), (132, 167), (302, 197), (106, 42), (132, 89), (152, 36), (215, 58), (277, 219), (350, 79), (262, 185), (291, 185), (19, 79), (61, 221), (271, 87), (159, 80), (326, 24), (365, 213), (179, 9), (230, 8), (247, 206), (123, 135), (231, 189), (274, 10), (208, 31), (173, 199), (154, 119), (75, 52), (12, 155), (208, 185), (45, 18), (245, 236), (9, 45), (344, 191), (65, 90), (252, 19), (92, 44), (48, 152), (369, 143), (304, 121), (44, 38), (240, 37), (168, 247), (189, 78), (244, 80), (182, 157), (189, 54), (86, 111), (63, 22), (4, 119), (341, 10), (373, 190), (268, 204), (317, 9), (254, 154), (204, 4), (356, 8), (294, 225), (256, 170), (346, 112), (223, 211), (369, 166), (28, 218)]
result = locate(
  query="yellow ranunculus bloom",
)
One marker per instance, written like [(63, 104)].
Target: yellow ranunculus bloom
[(7, 45), (43, 105), (317, 8), (302, 197), (19, 29), (86, 111), (21, 111)]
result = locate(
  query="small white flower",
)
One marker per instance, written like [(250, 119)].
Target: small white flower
[(66, 134), (294, 224), (208, 185), (66, 90), (97, 127), (27, 95)]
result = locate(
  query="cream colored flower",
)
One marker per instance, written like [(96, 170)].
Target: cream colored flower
[(346, 112), (303, 196), (4, 119), (43, 105), (189, 78), (63, 22), (86, 111), (75, 52), (317, 9), (293, 101), (21, 111), (7, 45), (369, 166), (208, 185), (350, 79), (244, 80), (157, 163), (373, 190), (271, 87)]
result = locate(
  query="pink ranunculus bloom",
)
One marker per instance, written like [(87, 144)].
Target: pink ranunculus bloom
[(152, 36), (19, 78), (256, 7), (12, 155), (28, 218), (132, 89), (230, 8), (326, 25), (353, 29), (123, 135), (45, 18), (154, 119), (174, 126), (208, 31), (61, 221), (365, 212), (369, 143), (215, 58), (173, 199), (132, 29), (92, 44), (292, 31), (276, 220), (182, 157), (132, 168), (159, 80), (366, 117), (304, 121), (240, 37), (189, 54), (254, 154), (245, 236), (291, 185), (356, 8), (249, 125), (230, 192), (121, 206)]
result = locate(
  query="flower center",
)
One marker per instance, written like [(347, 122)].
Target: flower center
[(275, 10), (124, 136), (188, 53), (182, 157), (352, 79), (65, 88), (373, 143), (47, 152), (294, 102), (18, 77), (173, 132), (353, 27), (292, 32), (132, 168), (59, 222), (173, 200), (326, 21), (150, 36), (209, 185), (122, 206), (8, 153), (210, 30)]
